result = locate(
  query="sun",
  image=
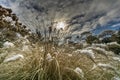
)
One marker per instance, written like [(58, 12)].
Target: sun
[(60, 25)]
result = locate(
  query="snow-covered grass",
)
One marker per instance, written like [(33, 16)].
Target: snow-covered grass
[(13, 58), (27, 62)]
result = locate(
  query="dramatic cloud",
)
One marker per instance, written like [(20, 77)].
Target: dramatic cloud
[(80, 15)]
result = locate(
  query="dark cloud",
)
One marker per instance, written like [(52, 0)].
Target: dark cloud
[(81, 15)]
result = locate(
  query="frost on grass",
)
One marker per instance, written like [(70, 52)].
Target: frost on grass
[(89, 53), (14, 58), (108, 66), (79, 71), (104, 66)]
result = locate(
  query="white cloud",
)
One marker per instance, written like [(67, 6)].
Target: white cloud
[(111, 16), (95, 12), (116, 25)]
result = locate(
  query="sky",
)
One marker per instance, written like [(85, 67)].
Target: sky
[(79, 15)]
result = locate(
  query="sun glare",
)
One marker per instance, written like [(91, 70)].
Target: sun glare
[(60, 25)]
